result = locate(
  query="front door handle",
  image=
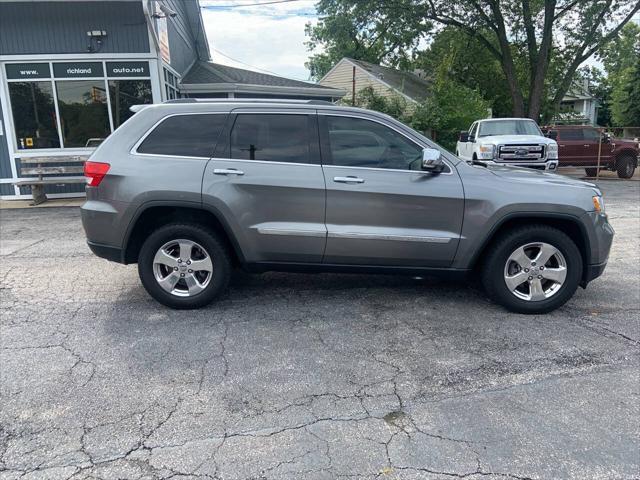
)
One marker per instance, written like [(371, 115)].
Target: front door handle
[(227, 171), (349, 179)]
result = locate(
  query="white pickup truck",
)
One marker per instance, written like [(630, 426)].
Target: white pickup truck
[(508, 141)]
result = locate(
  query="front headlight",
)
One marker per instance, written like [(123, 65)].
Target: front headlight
[(552, 151), (487, 151), (598, 203)]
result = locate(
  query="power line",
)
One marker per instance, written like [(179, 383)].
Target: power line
[(239, 5)]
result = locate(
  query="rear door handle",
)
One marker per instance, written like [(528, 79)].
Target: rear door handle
[(227, 171), (349, 179)]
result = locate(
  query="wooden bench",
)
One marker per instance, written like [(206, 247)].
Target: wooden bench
[(42, 167)]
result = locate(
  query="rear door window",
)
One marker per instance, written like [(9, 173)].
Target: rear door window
[(189, 135), (571, 134), (272, 137)]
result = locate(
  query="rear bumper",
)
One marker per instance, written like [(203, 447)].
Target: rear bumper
[(113, 254)]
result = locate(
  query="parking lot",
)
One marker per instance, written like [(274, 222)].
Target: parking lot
[(310, 376)]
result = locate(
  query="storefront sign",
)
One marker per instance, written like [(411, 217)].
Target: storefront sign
[(127, 69), (20, 71), (77, 69)]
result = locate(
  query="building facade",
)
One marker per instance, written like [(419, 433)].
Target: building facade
[(351, 75), (70, 70)]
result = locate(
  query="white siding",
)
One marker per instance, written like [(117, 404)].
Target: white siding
[(341, 76)]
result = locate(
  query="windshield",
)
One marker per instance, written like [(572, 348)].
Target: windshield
[(509, 127)]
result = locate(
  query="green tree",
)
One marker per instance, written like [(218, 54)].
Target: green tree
[(625, 97), (468, 64), (519, 34)]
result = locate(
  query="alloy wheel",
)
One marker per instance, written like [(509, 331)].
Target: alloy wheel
[(182, 267), (535, 271)]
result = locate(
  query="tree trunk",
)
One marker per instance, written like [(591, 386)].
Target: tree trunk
[(542, 59)]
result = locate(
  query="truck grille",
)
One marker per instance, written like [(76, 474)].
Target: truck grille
[(520, 153)]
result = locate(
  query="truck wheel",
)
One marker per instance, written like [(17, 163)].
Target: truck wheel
[(533, 269), (591, 172), (626, 166), (184, 266)]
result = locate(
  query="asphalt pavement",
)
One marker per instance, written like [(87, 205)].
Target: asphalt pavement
[(293, 376)]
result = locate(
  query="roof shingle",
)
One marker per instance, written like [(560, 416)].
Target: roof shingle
[(209, 72)]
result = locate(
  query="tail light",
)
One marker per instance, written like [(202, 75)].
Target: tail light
[(95, 172)]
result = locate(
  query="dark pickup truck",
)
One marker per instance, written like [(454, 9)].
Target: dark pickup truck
[(578, 147)]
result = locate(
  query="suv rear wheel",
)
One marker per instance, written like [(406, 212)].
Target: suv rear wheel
[(532, 269), (184, 266), (591, 172), (625, 166)]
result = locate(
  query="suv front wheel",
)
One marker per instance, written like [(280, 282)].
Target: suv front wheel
[(184, 266), (532, 269)]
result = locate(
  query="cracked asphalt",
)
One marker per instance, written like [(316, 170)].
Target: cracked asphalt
[(310, 376)]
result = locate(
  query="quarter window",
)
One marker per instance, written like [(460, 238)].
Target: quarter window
[(185, 136), (271, 137), (355, 142)]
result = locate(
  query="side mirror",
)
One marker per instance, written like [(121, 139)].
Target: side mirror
[(464, 136), (606, 138), (552, 134), (432, 160)]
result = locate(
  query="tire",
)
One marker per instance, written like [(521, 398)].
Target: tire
[(591, 172), (625, 166), (551, 294), (200, 278)]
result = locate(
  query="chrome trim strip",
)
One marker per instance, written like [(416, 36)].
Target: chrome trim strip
[(419, 172), (134, 149), (401, 238), (264, 161), (295, 233)]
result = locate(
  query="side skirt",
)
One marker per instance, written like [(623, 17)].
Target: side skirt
[(448, 273)]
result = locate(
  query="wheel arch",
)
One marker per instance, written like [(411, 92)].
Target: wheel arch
[(627, 152), (157, 214), (567, 224)]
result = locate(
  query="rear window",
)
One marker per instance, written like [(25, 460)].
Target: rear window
[(185, 136)]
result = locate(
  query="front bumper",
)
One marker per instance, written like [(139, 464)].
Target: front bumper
[(549, 165), (591, 272)]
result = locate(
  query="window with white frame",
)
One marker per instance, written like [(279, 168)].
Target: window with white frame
[(73, 104), (171, 85)]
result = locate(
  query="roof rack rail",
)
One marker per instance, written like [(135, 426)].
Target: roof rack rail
[(248, 100)]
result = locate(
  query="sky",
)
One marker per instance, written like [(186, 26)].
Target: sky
[(266, 38)]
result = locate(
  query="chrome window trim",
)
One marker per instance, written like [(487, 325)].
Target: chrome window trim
[(265, 161), (376, 169), (392, 127), (134, 149)]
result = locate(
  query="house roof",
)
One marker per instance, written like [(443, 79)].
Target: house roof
[(215, 73), (408, 83)]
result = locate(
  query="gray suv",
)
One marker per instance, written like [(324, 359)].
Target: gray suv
[(190, 189)]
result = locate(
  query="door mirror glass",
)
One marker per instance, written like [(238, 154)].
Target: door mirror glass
[(552, 134), (432, 160), (464, 136)]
